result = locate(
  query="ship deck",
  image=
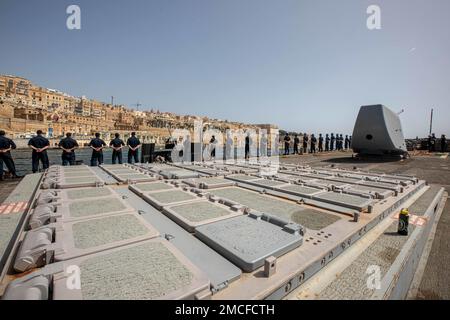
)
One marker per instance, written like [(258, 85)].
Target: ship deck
[(311, 230)]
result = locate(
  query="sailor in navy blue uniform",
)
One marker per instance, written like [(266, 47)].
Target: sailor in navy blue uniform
[(6, 145), (68, 145), (97, 146), (332, 140), (39, 144), (117, 144), (133, 144), (320, 143), (347, 142), (327, 142)]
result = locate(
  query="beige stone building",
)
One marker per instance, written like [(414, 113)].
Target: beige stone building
[(25, 108)]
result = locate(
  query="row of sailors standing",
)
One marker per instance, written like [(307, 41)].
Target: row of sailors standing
[(330, 142), (39, 145)]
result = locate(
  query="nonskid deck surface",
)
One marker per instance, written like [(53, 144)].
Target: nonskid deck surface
[(125, 173), (310, 222), (58, 177), (384, 253), (288, 210), (169, 171)]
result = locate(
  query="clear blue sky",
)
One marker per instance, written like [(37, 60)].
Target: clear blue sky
[(304, 65)]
